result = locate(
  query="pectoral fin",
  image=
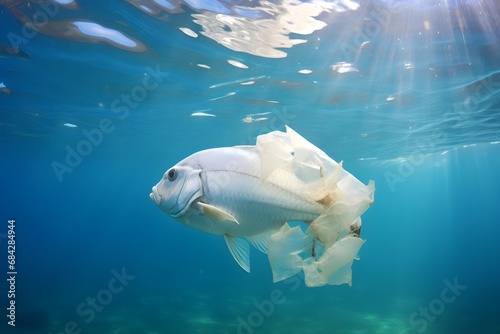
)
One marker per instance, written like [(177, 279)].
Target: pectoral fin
[(240, 250), (215, 213)]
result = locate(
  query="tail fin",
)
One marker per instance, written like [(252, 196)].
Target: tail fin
[(325, 251)]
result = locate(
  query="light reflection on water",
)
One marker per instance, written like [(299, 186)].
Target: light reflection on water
[(374, 78), (257, 28)]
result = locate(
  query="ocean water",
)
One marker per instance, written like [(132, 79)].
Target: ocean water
[(99, 99)]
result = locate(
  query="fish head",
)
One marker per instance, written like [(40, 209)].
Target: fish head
[(179, 187)]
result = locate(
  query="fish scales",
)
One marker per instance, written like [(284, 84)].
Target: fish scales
[(249, 194)]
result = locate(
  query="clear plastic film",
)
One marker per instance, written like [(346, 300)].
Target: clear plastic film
[(325, 251)]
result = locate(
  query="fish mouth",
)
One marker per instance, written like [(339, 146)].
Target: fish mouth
[(167, 205), (159, 200), (155, 196)]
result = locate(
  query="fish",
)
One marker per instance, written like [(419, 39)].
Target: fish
[(283, 196)]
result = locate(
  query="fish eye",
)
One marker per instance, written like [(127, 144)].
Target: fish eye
[(172, 174)]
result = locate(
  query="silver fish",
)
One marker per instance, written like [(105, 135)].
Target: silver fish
[(249, 194)]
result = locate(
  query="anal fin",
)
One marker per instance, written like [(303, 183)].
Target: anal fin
[(261, 240)]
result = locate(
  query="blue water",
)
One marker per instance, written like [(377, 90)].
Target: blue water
[(98, 101)]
